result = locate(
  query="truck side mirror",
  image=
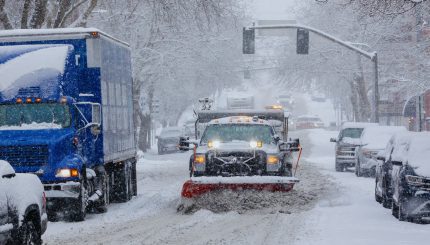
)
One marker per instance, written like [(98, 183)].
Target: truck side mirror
[(95, 129), (184, 145), (396, 163), (291, 145), (381, 158), (333, 140)]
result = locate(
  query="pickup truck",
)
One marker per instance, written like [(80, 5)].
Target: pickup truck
[(23, 217), (66, 115)]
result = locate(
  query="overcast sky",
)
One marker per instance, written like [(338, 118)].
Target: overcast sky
[(273, 9)]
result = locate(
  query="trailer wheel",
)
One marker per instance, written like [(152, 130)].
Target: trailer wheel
[(125, 188), (102, 204)]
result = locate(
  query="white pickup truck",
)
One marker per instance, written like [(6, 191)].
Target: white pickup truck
[(23, 217)]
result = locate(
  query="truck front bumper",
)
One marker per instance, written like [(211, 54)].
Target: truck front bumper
[(69, 189)]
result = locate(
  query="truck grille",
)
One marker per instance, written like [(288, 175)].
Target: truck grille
[(346, 151), (33, 155)]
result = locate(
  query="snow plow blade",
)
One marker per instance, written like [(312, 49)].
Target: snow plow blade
[(200, 185)]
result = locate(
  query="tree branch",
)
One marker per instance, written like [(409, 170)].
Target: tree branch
[(25, 14), (70, 11), (4, 18), (39, 15)]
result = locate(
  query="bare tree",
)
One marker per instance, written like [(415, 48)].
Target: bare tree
[(36, 14)]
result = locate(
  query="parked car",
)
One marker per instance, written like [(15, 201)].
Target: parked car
[(308, 122), (168, 140), (23, 217), (411, 179), (372, 140), (189, 128), (346, 142), (286, 101), (383, 188), (318, 97)]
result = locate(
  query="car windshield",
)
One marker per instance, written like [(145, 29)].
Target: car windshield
[(354, 133), (238, 132), (18, 115)]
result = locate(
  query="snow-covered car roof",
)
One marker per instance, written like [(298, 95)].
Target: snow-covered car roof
[(240, 120), (377, 137), (357, 125), (418, 153), (400, 143)]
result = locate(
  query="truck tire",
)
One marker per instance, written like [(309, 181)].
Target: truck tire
[(125, 191), (28, 233), (79, 207)]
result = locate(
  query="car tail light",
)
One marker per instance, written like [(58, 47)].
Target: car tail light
[(43, 200)]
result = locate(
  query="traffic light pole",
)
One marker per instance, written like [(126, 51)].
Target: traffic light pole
[(372, 56)]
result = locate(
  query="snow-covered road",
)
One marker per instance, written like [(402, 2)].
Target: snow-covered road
[(326, 207)]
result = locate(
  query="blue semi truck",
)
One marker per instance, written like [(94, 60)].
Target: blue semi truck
[(66, 115)]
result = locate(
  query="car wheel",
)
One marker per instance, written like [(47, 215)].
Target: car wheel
[(358, 169), (377, 198), (339, 167), (394, 210), (386, 200), (402, 215), (29, 234)]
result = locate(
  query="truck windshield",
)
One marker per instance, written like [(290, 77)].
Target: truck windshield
[(354, 133), (51, 115), (238, 132)]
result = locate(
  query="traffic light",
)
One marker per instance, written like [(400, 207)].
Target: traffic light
[(248, 41), (302, 41)]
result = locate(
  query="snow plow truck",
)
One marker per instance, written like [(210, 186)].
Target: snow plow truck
[(240, 151)]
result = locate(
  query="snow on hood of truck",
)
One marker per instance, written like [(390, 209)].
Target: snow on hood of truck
[(32, 126), (31, 66)]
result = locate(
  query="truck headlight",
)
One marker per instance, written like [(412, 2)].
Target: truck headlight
[(214, 144), (67, 173), (255, 144), (272, 159), (199, 159)]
